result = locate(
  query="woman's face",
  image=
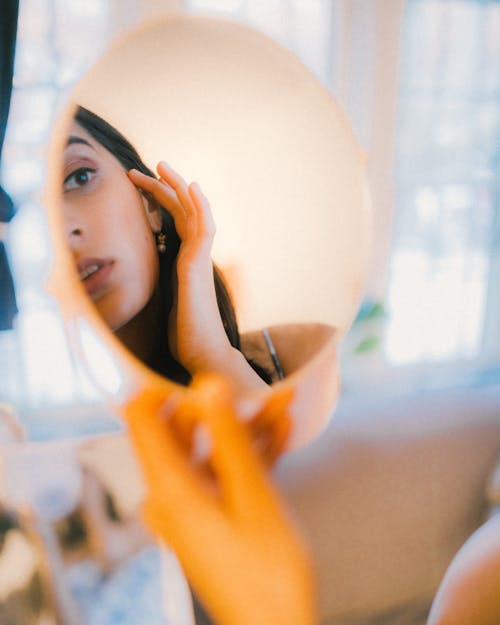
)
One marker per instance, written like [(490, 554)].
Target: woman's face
[(109, 230)]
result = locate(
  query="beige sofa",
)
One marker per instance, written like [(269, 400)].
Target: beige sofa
[(388, 494)]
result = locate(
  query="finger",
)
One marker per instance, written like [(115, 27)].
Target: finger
[(178, 428), (161, 191), (204, 212), (161, 519), (164, 195), (167, 522), (186, 532), (159, 421), (238, 470), (152, 517), (184, 431), (270, 429), (164, 463), (179, 185)]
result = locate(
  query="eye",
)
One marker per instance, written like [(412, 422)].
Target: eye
[(79, 178)]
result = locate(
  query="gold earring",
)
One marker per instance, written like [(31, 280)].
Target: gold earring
[(161, 242)]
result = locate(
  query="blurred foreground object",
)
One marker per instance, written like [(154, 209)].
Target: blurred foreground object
[(211, 500)]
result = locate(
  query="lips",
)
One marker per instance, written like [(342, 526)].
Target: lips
[(94, 274), (88, 271)]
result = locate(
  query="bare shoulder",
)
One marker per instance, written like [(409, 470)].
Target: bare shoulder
[(470, 590), (295, 344)]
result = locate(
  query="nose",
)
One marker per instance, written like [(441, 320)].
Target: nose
[(74, 232), (74, 224)]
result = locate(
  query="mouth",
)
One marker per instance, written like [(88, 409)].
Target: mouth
[(94, 274), (89, 271)]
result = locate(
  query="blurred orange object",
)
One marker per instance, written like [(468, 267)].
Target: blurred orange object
[(214, 504)]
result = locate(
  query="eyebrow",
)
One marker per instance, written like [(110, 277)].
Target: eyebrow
[(73, 139)]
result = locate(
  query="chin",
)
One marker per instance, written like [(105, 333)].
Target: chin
[(125, 309), (116, 315)]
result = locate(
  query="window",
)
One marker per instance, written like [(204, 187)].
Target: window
[(56, 42), (303, 26), (446, 240)]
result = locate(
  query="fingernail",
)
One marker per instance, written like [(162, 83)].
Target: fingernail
[(248, 408), (168, 407), (202, 444), (165, 164)]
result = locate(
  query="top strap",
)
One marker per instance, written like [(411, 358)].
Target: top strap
[(274, 355)]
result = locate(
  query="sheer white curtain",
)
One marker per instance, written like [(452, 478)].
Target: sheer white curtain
[(56, 41), (443, 294)]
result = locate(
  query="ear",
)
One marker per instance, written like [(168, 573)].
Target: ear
[(152, 209)]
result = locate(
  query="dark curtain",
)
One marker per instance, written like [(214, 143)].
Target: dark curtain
[(8, 27)]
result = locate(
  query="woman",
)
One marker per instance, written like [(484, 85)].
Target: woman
[(142, 247), (128, 230)]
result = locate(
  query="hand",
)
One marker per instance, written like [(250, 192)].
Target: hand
[(196, 334), (188, 206), (220, 514), (195, 327)]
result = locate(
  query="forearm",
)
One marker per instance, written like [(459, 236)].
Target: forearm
[(205, 346), (235, 368)]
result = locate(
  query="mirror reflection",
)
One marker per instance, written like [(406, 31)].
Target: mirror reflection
[(277, 173), (142, 248)]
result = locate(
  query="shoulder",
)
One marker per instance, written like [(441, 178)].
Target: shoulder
[(295, 344), (470, 590)]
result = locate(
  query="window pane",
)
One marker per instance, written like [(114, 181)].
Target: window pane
[(446, 200)]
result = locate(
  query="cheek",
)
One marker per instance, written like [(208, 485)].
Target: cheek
[(138, 237), (144, 263), (151, 266), (135, 283), (136, 240)]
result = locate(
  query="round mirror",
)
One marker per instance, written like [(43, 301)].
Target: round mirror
[(281, 176)]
